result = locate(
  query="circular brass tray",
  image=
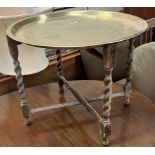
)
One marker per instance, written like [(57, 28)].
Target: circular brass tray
[(76, 29)]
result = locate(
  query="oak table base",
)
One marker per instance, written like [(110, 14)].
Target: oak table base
[(109, 59)]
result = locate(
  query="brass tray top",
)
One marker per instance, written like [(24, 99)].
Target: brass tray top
[(76, 29)]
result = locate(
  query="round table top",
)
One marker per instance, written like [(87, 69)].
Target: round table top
[(77, 29), (14, 12)]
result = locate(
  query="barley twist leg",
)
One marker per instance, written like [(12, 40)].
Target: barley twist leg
[(59, 72), (127, 86), (23, 101), (107, 108), (109, 57)]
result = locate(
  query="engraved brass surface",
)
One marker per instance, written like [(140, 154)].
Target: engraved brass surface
[(76, 29)]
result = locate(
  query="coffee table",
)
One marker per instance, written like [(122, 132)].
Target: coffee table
[(78, 30)]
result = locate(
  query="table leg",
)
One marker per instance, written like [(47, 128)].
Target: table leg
[(127, 86), (23, 101), (109, 58), (59, 72)]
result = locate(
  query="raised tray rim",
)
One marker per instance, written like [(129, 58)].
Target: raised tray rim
[(10, 34)]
